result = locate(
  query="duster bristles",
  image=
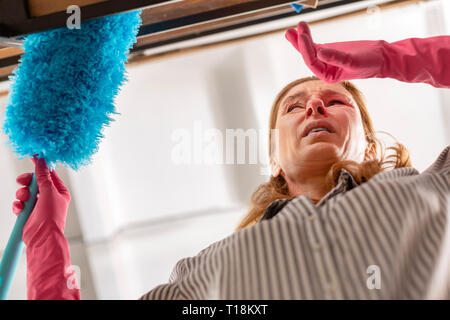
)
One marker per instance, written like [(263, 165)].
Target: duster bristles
[(63, 91)]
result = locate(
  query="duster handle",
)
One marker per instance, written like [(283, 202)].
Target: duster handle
[(15, 245)]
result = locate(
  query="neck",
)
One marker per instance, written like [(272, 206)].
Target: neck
[(308, 181)]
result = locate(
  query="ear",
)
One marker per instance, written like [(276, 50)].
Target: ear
[(276, 169), (371, 151)]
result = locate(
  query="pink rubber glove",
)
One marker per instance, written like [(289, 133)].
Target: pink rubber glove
[(49, 272), (424, 60)]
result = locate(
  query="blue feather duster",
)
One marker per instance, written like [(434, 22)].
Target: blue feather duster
[(63, 91), (61, 97)]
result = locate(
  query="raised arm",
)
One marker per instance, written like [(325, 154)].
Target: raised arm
[(413, 60), (49, 271)]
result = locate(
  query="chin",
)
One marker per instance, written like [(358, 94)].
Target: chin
[(320, 150)]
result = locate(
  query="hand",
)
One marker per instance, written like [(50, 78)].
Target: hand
[(412, 60), (334, 62), (52, 201), (49, 272)]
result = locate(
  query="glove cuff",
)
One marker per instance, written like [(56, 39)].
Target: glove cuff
[(419, 60), (49, 272)]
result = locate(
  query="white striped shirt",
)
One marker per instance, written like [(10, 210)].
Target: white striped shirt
[(388, 238)]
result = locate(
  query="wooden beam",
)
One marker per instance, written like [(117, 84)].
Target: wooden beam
[(185, 8), (49, 14), (189, 7), (213, 26), (7, 71), (167, 12), (179, 32), (159, 13), (39, 8), (15, 19), (139, 59), (7, 52), (170, 10)]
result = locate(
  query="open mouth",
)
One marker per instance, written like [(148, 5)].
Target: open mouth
[(319, 127), (316, 131)]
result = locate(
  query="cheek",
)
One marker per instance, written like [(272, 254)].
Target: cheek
[(357, 136), (287, 136), (283, 139), (350, 124), (357, 127)]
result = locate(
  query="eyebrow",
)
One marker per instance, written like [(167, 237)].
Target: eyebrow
[(302, 94)]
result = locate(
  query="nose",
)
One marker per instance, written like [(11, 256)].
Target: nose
[(315, 106)]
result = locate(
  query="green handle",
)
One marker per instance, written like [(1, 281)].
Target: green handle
[(15, 245)]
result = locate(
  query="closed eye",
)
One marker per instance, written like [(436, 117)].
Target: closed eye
[(332, 102), (294, 106)]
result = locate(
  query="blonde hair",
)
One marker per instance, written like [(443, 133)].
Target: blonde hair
[(276, 187)]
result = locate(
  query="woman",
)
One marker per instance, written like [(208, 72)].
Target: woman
[(332, 222)]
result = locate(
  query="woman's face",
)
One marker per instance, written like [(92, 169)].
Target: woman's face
[(330, 111)]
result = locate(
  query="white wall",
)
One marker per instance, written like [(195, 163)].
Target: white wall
[(135, 212)]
